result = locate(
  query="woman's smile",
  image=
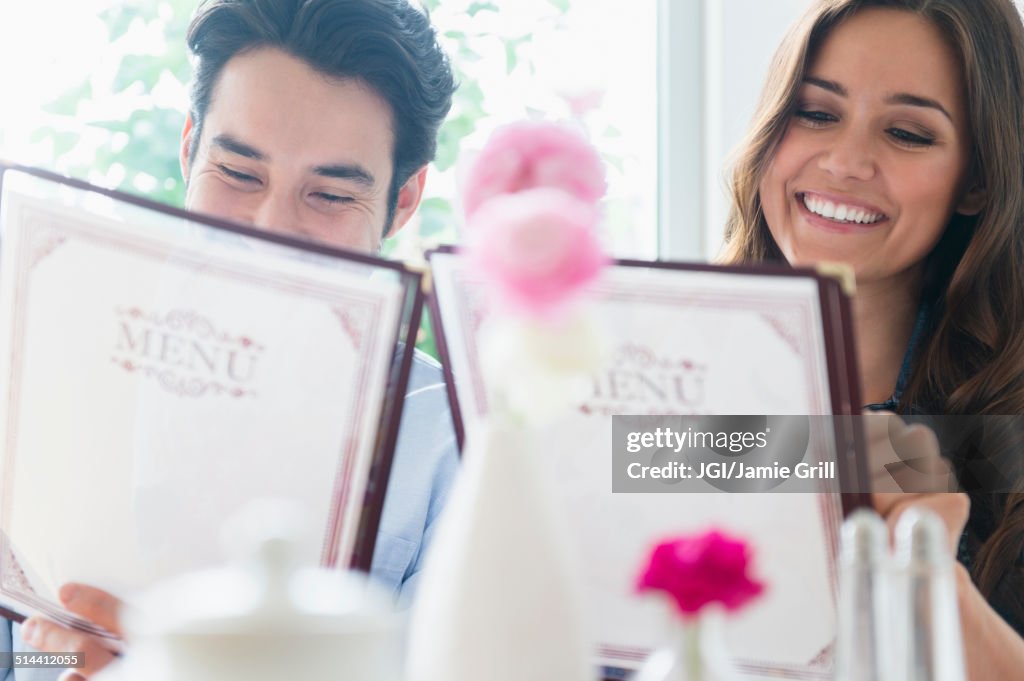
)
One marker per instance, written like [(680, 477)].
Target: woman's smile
[(839, 214)]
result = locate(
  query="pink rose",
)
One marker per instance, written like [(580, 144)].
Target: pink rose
[(702, 569), (533, 154), (538, 248)]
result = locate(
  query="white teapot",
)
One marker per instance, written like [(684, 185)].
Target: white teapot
[(263, 618)]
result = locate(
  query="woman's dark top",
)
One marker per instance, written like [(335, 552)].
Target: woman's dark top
[(982, 521)]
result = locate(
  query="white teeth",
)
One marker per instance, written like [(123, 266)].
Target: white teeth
[(840, 212)]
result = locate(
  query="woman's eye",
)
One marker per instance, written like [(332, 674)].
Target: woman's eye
[(235, 175), (815, 118), (910, 139)]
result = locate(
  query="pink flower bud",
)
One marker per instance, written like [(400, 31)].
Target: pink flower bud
[(538, 248), (528, 155)]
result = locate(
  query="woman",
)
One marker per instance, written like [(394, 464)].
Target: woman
[(889, 137)]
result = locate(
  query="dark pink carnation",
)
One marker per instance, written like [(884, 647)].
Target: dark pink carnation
[(538, 248), (528, 155), (702, 569)]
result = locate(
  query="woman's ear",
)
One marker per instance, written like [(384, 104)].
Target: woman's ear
[(972, 202)]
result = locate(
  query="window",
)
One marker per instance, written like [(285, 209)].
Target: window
[(101, 95)]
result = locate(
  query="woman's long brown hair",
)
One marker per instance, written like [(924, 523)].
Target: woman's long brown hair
[(972, 363)]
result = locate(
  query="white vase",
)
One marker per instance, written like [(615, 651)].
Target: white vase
[(697, 653), (497, 599)]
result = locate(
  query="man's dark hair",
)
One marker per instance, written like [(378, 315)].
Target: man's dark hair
[(389, 45)]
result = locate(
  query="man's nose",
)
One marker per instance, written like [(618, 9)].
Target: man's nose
[(849, 154), (276, 212)]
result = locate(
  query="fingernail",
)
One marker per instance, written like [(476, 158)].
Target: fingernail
[(28, 631), (67, 592)]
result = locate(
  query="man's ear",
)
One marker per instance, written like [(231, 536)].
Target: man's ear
[(408, 200), (186, 146), (972, 202)]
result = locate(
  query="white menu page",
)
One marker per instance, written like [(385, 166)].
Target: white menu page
[(685, 342), (160, 374)]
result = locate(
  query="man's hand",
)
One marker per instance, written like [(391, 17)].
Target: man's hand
[(90, 604)]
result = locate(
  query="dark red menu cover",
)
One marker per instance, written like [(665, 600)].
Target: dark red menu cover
[(693, 340)]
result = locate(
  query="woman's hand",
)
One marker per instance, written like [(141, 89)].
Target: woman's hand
[(992, 649), (908, 471), (905, 458), (91, 604)]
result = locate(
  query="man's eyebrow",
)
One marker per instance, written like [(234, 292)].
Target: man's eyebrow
[(339, 171), (229, 143), (898, 98), (347, 171)]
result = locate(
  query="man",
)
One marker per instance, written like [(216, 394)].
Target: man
[(315, 118)]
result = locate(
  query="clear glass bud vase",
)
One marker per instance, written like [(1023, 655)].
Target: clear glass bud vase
[(697, 652)]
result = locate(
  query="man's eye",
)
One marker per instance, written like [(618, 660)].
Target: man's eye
[(815, 118), (235, 175), (332, 198)]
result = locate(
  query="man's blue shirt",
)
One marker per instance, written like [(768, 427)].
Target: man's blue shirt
[(426, 459)]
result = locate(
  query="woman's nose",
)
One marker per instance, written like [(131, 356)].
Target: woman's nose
[(849, 154)]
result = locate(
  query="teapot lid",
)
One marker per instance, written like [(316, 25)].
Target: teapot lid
[(266, 590)]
